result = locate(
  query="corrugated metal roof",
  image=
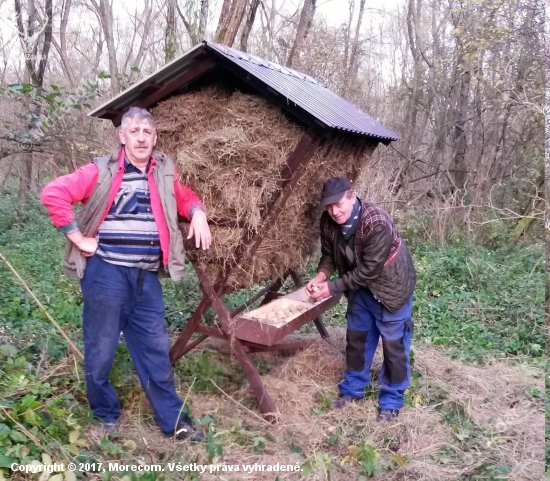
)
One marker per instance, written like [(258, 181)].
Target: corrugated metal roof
[(162, 76), (309, 94), (302, 90)]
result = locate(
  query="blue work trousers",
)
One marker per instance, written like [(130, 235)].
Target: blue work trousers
[(368, 320), (130, 300)]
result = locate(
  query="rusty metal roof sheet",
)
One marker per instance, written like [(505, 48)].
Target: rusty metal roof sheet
[(298, 89)]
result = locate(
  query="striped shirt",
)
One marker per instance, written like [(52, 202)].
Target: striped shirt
[(129, 236)]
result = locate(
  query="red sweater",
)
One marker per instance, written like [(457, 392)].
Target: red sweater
[(67, 190)]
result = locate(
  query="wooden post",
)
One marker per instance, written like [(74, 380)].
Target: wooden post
[(267, 405), (291, 173), (178, 349)]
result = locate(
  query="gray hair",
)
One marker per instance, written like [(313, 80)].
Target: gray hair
[(136, 113)]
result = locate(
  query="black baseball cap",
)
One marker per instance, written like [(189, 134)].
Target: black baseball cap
[(333, 190)]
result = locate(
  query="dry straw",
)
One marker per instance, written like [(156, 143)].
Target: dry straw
[(230, 147), (506, 424), (494, 397)]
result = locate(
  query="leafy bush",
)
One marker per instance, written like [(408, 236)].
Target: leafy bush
[(481, 301)]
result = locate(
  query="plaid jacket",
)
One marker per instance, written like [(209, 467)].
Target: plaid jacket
[(381, 264)]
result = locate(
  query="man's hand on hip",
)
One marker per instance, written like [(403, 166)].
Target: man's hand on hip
[(199, 228), (87, 245)]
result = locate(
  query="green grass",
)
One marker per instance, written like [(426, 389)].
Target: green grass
[(471, 300), (478, 301)]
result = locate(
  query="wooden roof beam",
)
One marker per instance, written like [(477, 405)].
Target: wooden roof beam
[(177, 83), (149, 88)]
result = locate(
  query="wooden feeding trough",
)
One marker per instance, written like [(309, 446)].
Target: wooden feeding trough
[(271, 323), (331, 137)]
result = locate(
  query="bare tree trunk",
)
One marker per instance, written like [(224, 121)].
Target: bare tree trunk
[(353, 64), (147, 19), (233, 23), (107, 15), (105, 12), (306, 19), (347, 40), (222, 21), (268, 22), (4, 58), (414, 99), (309, 22), (439, 112), (170, 47), (47, 43), (70, 161), (25, 164), (30, 43), (62, 46), (203, 17), (99, 42), (529, 211), (410, 117), (6, 176), (194, 33), (463, 78), (459, 137), (547, 192), (25, 177), (35, 69), (25, 35), (252, 9)]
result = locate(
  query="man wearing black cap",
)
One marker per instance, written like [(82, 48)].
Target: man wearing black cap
[(376, 273)]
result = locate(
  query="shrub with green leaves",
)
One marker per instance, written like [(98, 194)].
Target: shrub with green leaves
[(481, 301)]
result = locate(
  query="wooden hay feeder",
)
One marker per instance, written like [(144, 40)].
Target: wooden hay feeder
[(271, 323), (327, 123)]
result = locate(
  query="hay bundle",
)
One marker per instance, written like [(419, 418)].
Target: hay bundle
[(230, 148)]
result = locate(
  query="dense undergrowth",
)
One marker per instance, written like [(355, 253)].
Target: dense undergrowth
[(473, 301)]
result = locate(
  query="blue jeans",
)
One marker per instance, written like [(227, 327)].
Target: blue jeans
[(368, 320), (130, 300)]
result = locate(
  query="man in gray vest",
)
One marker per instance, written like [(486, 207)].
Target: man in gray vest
[(375, 271), (124, 239)]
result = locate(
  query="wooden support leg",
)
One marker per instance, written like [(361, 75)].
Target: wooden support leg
[(178, 349), (273, 291), (318, 320), (194, 344), (267, 405)]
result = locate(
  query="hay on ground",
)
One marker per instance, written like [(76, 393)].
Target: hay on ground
[(497, 408), (502, 431)]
